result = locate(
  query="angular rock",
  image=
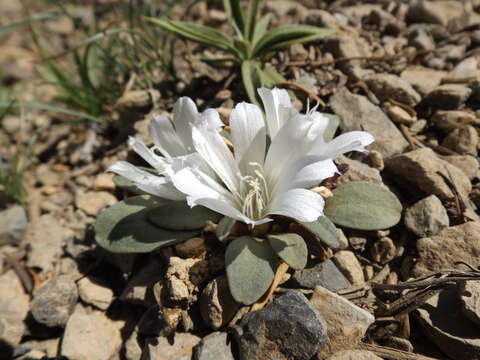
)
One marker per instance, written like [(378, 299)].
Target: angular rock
[(193, 247), (288, 328), (464, 71), (450, 245), (346, 322), (349, 265), (463, 140), (13, 225), (133, 351), (357, 171), (214, 346), (442, 321), (420, 38), (356, 112), (448, 96), (92, 202), (427, 217), (469, 292), (136, 289), (95, 292), (383, 250), (434, 12), (104, 182), (324, 274), (162, 349), (92, 336), (467, 163), (450, 120), (349, 45), (421, 167), (354, 355), (54, 301), (217, 306), (423, 79), (389, 86)]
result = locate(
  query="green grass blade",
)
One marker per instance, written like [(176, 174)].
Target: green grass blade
[(45, 15), (251, 19), (248, 78), (260, 29), (235, 15)]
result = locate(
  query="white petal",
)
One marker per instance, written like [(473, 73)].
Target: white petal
[(157, 162), (216, 154), (164, 137), (350, 141), (185, 114), (313, 174), (299, 204), (211, 119), (272, 101), (150, 183), (248, 136)]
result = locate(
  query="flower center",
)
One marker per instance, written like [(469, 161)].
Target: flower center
[(256, 196)]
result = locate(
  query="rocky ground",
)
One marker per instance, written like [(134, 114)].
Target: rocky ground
[(408, 72)]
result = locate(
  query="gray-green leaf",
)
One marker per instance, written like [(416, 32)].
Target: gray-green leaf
[(124, 228), (177, 215), (324, 230), (224, 228), (124, 183), (250, 267), (363, 205), (291, 248)]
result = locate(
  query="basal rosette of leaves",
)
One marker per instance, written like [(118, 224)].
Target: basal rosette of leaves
[(251, 193), (253, 42)]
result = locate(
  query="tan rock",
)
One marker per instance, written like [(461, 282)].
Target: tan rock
[(94, 293), (349, 265), (354, 355), (180, 349), (92, 202), (104, 182)]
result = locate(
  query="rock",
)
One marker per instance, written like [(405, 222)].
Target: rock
[(450, 120), (54, 301), (421, 168), (442, 321), (427, 217), (95, 292), (399, 115), (46, 176), (357, 171), (191, 248), (282, 8), (91, 202), (469, 292), (383, 250), (448, 96), (133, 351), (322, 18), (420, 38), (46, 238), (467, 163), (324, 274), (104, 182), (349, 45), (13, 225), (346, 322), (463, 140), (450, 245), (92, 336), (354, 355), (287, 328), (388, 86), (464, 71), (217, 306), (162, 349), (214, 346), (356, 112), (423, 79), (136, 289), (434, 12), (349, 265), (418, 126), (14, 306)]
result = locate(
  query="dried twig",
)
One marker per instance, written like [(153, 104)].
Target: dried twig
[(297, 86), (393, 354)]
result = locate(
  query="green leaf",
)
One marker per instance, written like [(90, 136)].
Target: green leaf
[(324, 230), (125, 184), (45, 15), (363, 205), (251, 18), (250, 264), (260, 29), (331, 129), (224, 228), (235, 15), (124, 228), (248, 78), (291, 248), (285, 35), (177, 215)]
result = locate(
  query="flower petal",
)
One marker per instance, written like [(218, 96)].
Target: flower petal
[(273, 100), (313, 174), (248, 136), (350, 141), (157, 162), (150, 183), (185, 114), (165, 138), (211, 119), (299, 204)]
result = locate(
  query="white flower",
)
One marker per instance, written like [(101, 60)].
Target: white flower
[(256, 182), (172, 144)]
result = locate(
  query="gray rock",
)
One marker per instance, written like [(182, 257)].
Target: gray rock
[(463, 140), (346, 322), (324, 274), (13, 224), (162, 349), (288, 328), (354, 355), (442, 321), (54, 301), (467, 163), (469, 292), (421, 168), (427, 217), (214, 346), (349, 45), (449, 120), (217, 306), (357, 171), (349, 265), (136, 289), (423, 79), (356, 112), (450, 245), (389, 86), (448, 96), (95, 292), (91, 336)]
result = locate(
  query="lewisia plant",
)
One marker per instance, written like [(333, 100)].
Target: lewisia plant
[(276, 159)]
